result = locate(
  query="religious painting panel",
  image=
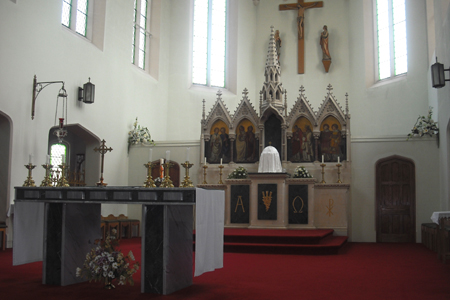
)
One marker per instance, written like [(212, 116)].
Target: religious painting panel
[(246, 144), (331, 142), (218, 146), (302, 142), (267, 201), (298, 204), (240, 204)]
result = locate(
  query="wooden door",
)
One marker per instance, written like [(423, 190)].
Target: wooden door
[(395, 200)]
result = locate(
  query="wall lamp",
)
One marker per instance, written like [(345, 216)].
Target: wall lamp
[(437, 75), (87, 92), (38, 87)]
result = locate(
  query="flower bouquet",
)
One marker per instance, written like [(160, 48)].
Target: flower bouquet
[(139, 135), (239, 173), (301, 172), (106, 263), (424, 126)]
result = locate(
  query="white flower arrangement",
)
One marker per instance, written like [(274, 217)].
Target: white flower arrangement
[(424, 126), (238, 173), (105, 263), (301, 172), (139, 135)]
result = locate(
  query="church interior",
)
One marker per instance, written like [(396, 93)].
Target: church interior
[(373, 116)]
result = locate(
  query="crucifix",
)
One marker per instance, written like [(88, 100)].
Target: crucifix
[(102, 150), (301, 6)]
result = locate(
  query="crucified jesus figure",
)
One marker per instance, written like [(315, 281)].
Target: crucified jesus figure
[(301, 16)]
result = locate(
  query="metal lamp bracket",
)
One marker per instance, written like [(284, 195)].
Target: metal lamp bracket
[(37, 88)]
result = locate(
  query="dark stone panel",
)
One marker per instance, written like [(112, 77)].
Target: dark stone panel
[(240, 204), (153, 249), (53, 243), (73, 195), (267, 201), (152, 196), (122, 195), (298, 204)]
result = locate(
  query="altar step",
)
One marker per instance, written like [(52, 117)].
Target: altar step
[(274, 241)]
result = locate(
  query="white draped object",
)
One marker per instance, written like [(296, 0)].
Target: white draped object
[(209, 216), (270, 161)]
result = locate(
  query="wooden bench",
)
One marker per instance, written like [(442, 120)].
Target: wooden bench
[(430, 235), (3, 232), (125, 228)]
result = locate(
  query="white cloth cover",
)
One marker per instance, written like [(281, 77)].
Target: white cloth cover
[(269, 161), (209, 225), (28, 232), (439, 214)]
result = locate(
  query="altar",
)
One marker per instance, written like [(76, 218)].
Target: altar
[(60, 226), (316, 139)]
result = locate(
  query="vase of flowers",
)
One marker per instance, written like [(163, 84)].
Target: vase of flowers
[(238, 173), (105, 263), (301, 172), (139, 135), (425, 125)]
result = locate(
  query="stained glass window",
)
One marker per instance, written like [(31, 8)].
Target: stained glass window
[(140, 33), (80, 15), (391, 38), (56, 155), (209, 42)]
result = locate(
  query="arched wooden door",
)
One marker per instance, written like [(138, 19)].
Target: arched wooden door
[(395, 200)]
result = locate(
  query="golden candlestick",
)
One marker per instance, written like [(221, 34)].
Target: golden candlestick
[(339, 172), (62, 182), (220, 174), (149, 183), (187, 180), (167, 183), (47, 179), (204, 174), (323, 173), (29, 181)]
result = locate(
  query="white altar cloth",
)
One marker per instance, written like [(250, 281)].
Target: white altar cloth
[(269, 161), (209, 228), (439, 214)]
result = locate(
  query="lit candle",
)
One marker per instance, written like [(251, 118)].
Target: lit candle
[(167, 155), (30, 159), (339, 160), (322, 158), (188, 149), (161, 168), (150, 152), (220, 161)]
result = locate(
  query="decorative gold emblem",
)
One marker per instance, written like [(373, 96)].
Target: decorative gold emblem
[(300, 211), (267, 199), (239, 203), (330, 207)]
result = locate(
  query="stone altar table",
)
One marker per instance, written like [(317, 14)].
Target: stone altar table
[(72, 224)]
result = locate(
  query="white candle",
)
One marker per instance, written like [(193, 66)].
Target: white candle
[(150, 152), (63, 158), (205, 160), (339, 159), (161, 161), (47, 161), (188, 149), (322, 158), (167, 155), (30, 159), (220, 161)]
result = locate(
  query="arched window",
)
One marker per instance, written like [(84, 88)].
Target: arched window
[(58, 155)]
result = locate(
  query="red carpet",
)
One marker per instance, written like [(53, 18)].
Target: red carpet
[(359, 271)]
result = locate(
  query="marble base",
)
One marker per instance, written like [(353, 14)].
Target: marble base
[(70, 233), (167, 255)]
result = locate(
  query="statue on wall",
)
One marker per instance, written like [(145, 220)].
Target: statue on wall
[(326, 57), (278, 43), (324, 44)]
